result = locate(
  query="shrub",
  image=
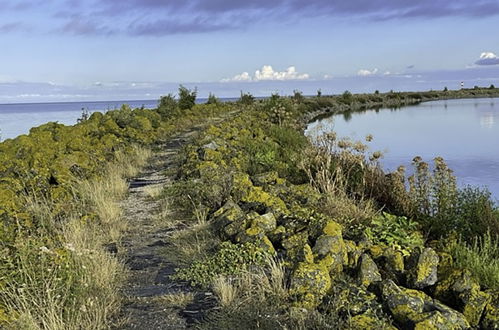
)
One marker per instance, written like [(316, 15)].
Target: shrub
[(246, 99), (186, 97), (167, 105)]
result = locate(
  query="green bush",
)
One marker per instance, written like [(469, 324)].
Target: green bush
[(167, 105), (186, 97)]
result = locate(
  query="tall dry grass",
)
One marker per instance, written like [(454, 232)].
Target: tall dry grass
[(67, 279)]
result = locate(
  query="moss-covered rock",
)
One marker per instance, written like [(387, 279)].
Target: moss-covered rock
[(422, 268), (368, 272), (309, 284)]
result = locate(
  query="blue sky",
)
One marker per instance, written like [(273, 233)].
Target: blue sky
[(63, 50)]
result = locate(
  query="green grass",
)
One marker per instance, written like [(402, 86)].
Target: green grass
[(481, 258)]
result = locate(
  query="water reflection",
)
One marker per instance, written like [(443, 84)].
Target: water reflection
[(464, 132)]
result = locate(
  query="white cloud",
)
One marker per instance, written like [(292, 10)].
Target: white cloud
[(365, 73), (268, 73), (487, 58)]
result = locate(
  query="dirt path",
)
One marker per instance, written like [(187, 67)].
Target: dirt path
[(143, 250)]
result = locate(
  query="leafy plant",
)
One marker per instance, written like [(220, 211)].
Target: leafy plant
[(397, 232)]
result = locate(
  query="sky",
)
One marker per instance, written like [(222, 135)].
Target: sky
[(78, 50)]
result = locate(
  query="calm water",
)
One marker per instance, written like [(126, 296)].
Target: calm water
[(464, 132), (17, 119)]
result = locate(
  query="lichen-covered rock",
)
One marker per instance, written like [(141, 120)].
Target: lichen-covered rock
[(293, 245), (368, 322), (353, 254), (422, 268), (490, 319), (410, 307), (368, 272), (256, 195), (354, 299), (332, 250), (436, 321), (230, 212), (462, 292), (266, 222), (394, 261), (474, 302), (268, 178), (309, 284), (405, 307)]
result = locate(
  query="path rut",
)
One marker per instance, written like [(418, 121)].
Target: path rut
[(149, 268)]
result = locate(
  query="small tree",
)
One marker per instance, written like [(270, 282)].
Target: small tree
[(446, 89), (376, 92), (492, 86), (246, 98), (186, 97), (212, 99), (319, 92), (298, 96), (84, 116)]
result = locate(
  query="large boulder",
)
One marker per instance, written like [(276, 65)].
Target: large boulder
[(331, 246), (462, 292), (412, 307), (422, 268), (309, 284), (368, 272)]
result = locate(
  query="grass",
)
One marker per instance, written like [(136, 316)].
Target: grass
[(481, 257), (177, 300), (72, 282)]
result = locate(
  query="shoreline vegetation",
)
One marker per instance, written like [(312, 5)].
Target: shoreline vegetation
[(286, 233)]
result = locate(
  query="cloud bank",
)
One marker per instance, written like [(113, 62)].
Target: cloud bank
[(488, 58), (268, 73), (167, 17)]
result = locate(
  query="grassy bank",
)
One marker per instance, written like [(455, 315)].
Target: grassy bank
[(294, 234), (60, 190)]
